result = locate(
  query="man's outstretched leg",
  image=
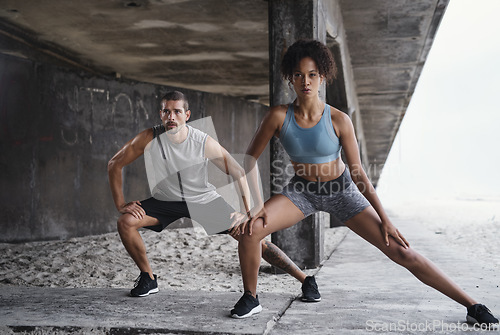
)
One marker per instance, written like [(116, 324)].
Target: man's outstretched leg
[(276, 257)]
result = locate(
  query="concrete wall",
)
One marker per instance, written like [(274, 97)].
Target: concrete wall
[(60, 127)]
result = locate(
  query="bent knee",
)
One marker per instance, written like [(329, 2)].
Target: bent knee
[(258, 230), (256, 236), (127, 221), (247, 238)]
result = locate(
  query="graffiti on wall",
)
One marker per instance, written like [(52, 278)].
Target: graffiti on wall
[(95, 114)]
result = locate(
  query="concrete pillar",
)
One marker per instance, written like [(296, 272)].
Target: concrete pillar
[(289, 21)]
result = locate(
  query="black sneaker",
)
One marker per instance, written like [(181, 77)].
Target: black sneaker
[(310, 291), (481, 316), (246, 306), (144, 285)]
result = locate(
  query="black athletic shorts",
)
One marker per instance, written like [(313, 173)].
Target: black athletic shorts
[(214, 216)]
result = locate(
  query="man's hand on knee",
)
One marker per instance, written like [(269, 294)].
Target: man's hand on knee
[(133, 208)]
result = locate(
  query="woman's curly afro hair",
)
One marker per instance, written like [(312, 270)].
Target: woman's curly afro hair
[(309, 48)]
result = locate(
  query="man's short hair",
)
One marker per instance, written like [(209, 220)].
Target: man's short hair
[(175, 96)]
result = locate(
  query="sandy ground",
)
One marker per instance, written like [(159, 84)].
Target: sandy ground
[(183, 258), (188, 259)]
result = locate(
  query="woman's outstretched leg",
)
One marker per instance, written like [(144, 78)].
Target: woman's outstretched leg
[(367, 225)]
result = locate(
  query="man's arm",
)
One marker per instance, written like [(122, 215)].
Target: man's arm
[(132, 150)]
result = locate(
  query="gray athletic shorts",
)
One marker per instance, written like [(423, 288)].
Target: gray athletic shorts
[(339, 197)]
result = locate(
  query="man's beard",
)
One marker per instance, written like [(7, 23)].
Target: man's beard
[(174, 130)]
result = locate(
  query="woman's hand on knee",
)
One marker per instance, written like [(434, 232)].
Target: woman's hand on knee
[(260, 214), (388, 229)]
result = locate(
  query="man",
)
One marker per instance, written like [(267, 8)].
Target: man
[(180, 154)]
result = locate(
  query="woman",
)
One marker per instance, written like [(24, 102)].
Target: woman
[(313, 134)]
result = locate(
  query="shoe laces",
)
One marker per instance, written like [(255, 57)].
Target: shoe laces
[(245, 300), (483, 314), (481, 309), (140, 280), (311, 286)]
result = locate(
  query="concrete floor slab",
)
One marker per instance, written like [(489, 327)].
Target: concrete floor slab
[(363, 292), (113, 311)]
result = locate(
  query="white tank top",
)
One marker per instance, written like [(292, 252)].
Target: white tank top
[(178, 171)]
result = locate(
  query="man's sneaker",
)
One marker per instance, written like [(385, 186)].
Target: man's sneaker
[(246, 306), (481, 316), (310, 291), (144, 285)]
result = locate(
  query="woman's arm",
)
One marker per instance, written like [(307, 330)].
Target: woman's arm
[(270, 126), (359, 177)]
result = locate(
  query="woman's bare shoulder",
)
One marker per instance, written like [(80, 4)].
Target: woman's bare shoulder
[(275, 117), (339, 117), (278, 111), (341, 121)]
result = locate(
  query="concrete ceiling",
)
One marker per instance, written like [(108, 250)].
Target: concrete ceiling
[(221, 46), (208, 45), (388, 42)]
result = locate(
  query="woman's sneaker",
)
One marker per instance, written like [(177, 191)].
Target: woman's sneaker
[(144, 285), (481, 316), (246, 306), (310, 291)]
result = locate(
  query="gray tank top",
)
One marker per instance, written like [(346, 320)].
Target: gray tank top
[(178, 171)]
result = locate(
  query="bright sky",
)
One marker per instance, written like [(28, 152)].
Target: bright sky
[(449, 142)]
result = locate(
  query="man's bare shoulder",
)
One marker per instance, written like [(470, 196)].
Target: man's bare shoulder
[(141, 140)]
